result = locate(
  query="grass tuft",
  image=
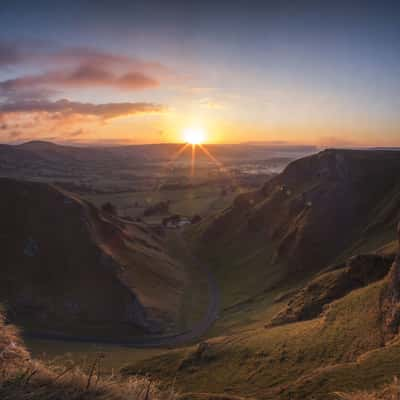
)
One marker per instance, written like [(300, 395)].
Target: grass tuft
[(389, 392)]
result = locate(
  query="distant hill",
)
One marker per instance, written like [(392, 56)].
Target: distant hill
[(16, 156), (68, 267), (150, 152), (52, 152)]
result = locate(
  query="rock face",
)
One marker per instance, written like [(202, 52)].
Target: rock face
[(66, 264), (358, 271), (203, 354), (318, 208), (391, 299)]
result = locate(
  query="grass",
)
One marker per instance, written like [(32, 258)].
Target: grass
[(195, 297), (24, 378), (250, 261), (339, 353), (389, 392), (202, 200), (269, 363), (115, 357), (44, 382), (195, 300)]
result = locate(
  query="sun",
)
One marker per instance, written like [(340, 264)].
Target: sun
[(194, 136)]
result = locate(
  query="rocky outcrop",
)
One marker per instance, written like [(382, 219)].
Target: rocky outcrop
[(203, 354), (359, 271), (317, 209)]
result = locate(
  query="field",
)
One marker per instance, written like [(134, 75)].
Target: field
[(201, 200)]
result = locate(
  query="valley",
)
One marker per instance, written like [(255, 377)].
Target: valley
[(286, 286)]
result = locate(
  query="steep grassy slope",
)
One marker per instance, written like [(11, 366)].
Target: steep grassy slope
[(359, 271), (311, 297), (320, 210), (68, 267), (352, 345), (388, 392), (272, 363)]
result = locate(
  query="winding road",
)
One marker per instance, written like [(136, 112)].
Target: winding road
[(185, 337)]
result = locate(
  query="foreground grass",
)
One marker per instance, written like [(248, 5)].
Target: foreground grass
[(340, 351), (22, 378), (38, 382)]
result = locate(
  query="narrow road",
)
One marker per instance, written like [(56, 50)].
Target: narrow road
[(179, 339)]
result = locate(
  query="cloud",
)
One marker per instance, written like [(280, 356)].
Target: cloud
[(74, 67), (47, 53), (210, 104), (66, 107), (73, 134), (86, 55), (14, 134), (9, 54), (29, 105), (46, 83), (336, 141)]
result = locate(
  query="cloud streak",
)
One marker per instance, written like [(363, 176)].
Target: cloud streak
[(9, 54), (20, 53), (74, 68), (83, 76), (37, 75), (65, 108)]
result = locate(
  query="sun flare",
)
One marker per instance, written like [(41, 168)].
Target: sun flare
[(194, 135)]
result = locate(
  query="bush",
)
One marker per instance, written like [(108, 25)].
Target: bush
[(157, 209), (109, 208)]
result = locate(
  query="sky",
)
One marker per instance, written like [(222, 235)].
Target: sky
[(321, 72)]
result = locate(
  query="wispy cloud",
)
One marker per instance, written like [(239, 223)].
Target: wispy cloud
[(65, 107), (211, 104), (30, 101), (74, 67), (47, 53), (9, 54), (83, 76)]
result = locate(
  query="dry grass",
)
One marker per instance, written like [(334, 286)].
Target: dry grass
[(39, 382), (22, 378), (389, 392), (12, 352)]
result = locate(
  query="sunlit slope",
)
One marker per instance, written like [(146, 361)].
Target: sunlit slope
[(265, 362), (320, 210), (67, 267), (352, 343), (314, 252)]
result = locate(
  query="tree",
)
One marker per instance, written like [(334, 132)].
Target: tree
[(195, 219), (109, 208)]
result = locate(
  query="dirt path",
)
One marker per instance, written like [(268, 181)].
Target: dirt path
[(185, 337)]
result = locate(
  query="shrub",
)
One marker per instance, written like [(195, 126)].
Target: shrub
[(109, 208)]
